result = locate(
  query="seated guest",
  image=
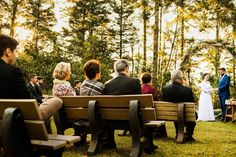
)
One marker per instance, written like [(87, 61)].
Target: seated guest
[(32, 86), (147, 87), (122, 83), (61, 85), (12, 81), (91, 85), (77, 85), (178, 93)]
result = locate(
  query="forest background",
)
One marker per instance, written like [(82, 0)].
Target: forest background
[(158, 36)]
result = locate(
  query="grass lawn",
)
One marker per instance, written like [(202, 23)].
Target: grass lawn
[(213, 139)]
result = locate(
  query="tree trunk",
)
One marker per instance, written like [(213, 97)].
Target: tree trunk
[(144, 34), (160, 41), (121, 28), (155, 38), (182, 28), (217, 56), (13, 17)]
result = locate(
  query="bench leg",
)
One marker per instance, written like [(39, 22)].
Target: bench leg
[(180, 133), (15, 138), (160, 131), (54, 153), (81, 128), (60, 121), (95, 125), (136, 127), (180, 128), (148, 145)]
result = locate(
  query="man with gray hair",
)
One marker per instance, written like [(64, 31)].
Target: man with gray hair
[(178, 93), (122, 83), (119, 85)]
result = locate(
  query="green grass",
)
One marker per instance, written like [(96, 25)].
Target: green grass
[(213, 139)]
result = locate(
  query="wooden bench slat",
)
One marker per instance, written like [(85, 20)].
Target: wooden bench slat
[(148, 113), (37, 130), (48, 145), (115, 114), (154, 123), (68, 138), (76, 113), (118, 101), (28, 107)]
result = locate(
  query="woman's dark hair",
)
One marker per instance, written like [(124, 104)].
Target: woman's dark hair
[(203, 76), (146, 77), (91, 68), (7, 42)]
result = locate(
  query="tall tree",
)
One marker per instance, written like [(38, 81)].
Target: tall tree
[(145, 14), (9, 12), (40, 20), (122, 9)]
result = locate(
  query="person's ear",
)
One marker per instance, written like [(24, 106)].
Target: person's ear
[(8, 52)]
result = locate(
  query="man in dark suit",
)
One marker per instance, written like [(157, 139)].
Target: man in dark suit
[(33, 88), (122, 83), (12, 82), (38, 85), (223, 90), (177, 93)]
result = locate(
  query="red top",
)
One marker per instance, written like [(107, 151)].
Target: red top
[(148, 89)]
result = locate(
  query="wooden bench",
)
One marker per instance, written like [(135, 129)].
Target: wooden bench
[(115, 112), (180, 113), (230, 105), (36, 129)]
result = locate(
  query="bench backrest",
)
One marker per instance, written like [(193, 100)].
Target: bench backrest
[(168, 111), (31, 114), (112, 107)]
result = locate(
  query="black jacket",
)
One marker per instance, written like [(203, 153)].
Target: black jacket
[(177, 93), (12, 82), (122, 85)]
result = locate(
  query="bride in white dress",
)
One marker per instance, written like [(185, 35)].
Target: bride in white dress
[(205, 110)]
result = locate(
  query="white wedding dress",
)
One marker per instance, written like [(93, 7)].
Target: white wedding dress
[(205, 110)]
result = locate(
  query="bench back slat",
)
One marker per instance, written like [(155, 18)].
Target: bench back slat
[(169, 111), (76, 113), (37, 130), (28, 107), (116, 101), (32, 117), (112, 107)]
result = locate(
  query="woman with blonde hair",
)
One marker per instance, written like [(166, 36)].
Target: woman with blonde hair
[(61, 85)]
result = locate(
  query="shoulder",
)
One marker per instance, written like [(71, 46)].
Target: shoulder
[(100, 84), (135, 80), (227, 76)]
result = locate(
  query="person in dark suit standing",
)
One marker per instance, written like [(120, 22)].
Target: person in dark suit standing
[(122, 83), (223, 90), (178, 93), (12, 81)]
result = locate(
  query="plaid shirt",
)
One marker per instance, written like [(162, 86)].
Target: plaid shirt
[(91, 87)]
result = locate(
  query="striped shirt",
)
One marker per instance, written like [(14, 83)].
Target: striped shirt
[(91, 87)]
